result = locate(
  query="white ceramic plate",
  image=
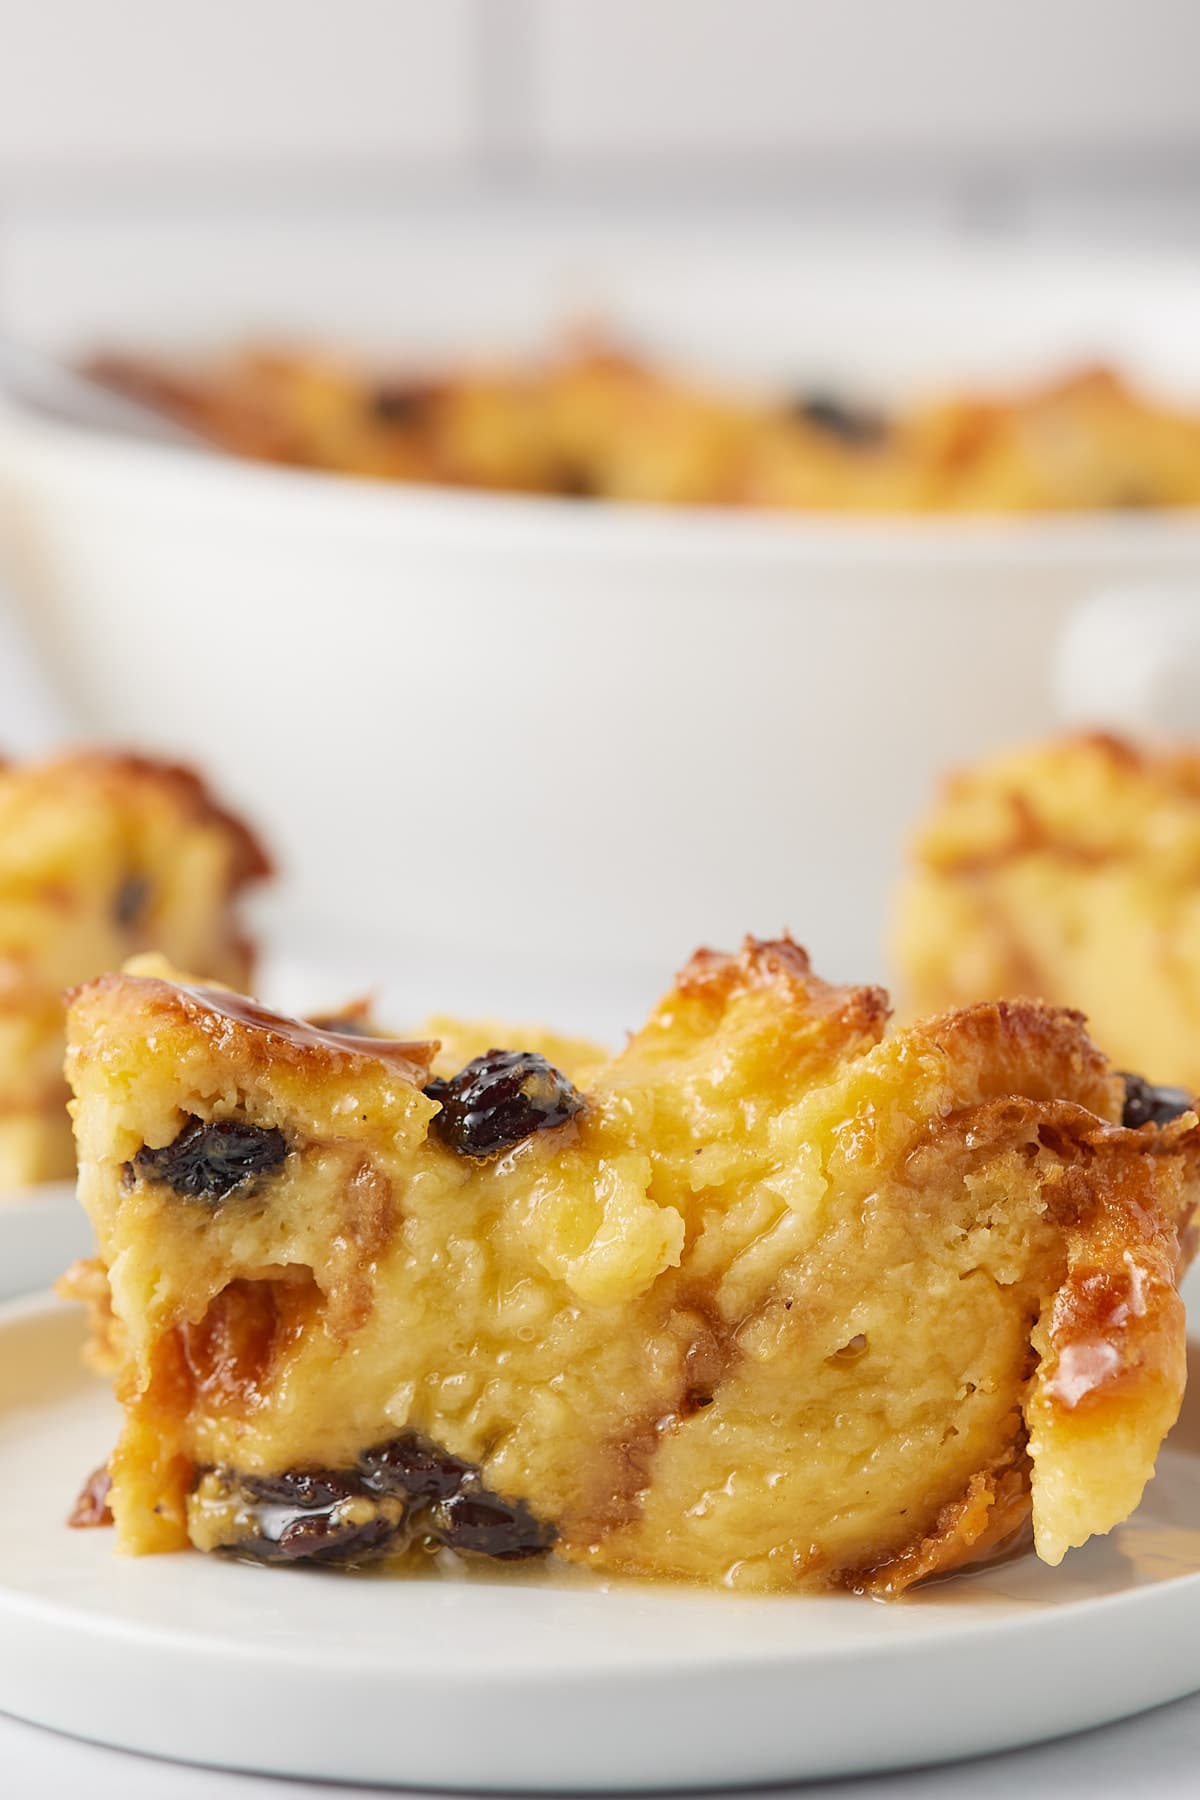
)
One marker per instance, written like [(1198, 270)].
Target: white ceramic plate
[(42, 1229), (551, 1682)]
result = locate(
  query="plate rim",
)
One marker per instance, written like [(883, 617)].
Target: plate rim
[(644, 1687)]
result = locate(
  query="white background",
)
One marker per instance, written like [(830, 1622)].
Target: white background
[(1041, 115)]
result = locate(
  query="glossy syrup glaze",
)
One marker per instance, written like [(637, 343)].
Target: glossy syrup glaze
[(412, 1058)]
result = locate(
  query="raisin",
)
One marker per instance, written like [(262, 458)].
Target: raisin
[(466, 1516), (399, 1490), (499, 1099), (303, 1515), (213, 1158), (1146, 1104), (133, 897), (401, 402), (328, 1537), (413, 1466), (478, 1523), (853, 425), (304, 1488)]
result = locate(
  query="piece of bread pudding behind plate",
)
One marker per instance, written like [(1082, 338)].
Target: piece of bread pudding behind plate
[(101, 855), (780, 1298), (1070, 871)]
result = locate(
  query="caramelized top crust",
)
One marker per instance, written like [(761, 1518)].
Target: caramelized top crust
[(768, 987), (1091, 798), (1027, 1047), (1022, 1048), (25, 786), (766, 998), (249, 1035), (779, 964), (761, 962)]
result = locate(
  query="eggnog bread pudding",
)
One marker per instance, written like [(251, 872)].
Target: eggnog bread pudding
[(1071, 871), (775, 1297), (598, 422), (101, 855)]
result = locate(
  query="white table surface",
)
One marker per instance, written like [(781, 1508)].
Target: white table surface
[(1154, 1757)]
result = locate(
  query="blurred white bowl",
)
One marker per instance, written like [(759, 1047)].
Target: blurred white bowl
[(561, 729)]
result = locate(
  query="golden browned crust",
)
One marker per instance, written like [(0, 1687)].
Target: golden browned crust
[(192, 794), (102, 853), (772, 980), (1032, 1048), (1116, 1316), (1116, 1307), (781, 964), (1023, 820), (250, 1034), (1069, 870), (760, 962), (989, 1522)]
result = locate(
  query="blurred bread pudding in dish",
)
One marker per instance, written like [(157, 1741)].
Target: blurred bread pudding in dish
[(598, 422), (776, 1297), (1070, 871), (100, 856)]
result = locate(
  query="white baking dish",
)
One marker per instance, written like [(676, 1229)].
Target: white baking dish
[(563, 729)]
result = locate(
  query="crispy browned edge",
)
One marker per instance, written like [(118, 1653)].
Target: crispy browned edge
[(240, 1029), (714, 976)]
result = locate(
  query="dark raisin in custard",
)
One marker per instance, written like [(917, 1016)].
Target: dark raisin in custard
[(213, 1158), (500, 1099), (398, 1492), (1149, 1105), (855, 426), (132, 901)]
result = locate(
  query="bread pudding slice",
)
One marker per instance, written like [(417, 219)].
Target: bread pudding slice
[(100, 856), (1069, 871), (780, 1298)]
